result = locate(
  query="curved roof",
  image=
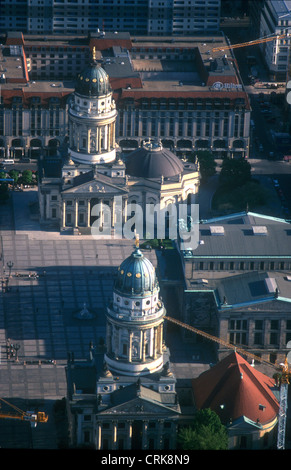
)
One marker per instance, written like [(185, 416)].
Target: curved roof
[(136, 275), (93, 82), (244, 392), (153, 161)]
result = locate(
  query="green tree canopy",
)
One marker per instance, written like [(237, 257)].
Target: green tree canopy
[(26, 177), (207, 163), (235, 172), (205, 433), (14, 174)]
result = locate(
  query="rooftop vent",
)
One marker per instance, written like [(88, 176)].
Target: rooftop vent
[(260, 230), (216, 230)]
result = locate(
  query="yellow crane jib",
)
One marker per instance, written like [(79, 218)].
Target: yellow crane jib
[(33, 417), (248, 43)]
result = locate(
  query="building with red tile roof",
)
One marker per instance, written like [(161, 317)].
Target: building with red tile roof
[(178, 89), (244, 399)]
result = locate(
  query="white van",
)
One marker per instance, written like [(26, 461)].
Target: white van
[(9, 162)]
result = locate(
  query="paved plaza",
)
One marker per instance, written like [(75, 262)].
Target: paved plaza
[(51, 279)]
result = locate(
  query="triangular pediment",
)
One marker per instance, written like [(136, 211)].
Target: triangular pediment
[(95, 187), (244, 424), (140, 406)]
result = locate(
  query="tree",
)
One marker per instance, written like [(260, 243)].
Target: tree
[(206, 162), (26, 177), (235, 172), (14, 174), (205, 433)]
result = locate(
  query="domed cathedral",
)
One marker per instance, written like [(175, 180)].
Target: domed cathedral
[(132, 402), (157, 176), (92, 116), (95, 173)]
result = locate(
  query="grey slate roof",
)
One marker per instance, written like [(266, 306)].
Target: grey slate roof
[(248, 289), (153, 164), (239, 240)]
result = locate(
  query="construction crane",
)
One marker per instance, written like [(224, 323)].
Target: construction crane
[(284, 368), (248, 43), (33, 417)]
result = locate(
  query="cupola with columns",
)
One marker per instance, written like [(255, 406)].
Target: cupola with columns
[(92, 116), (135, 319)]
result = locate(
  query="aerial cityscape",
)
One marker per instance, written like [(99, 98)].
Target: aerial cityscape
[(145, 198)]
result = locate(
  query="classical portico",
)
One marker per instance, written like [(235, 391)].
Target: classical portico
[(96, 200)]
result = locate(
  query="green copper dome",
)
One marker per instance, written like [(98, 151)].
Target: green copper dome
[(93, 82), (136, 275)]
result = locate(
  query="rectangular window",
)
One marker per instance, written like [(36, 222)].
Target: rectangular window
[(238, 331)]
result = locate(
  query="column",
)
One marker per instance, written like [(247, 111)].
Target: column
[(144, 346), (144, 434), (113, 213), (99, 436), (88, 140), (64, 213), (108, 137), (88, 212), (76, 212), (119, 346), (130, 347), (101, 212), (155, 342), (160, 434), (71, 135), (108, 338), (113, 134), (78, 139), (140, 345), (129, 435), (114, 435), (125, 211), (160, 347), (99, 139)]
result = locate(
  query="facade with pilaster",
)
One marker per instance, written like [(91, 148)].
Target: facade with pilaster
[(183, 90)]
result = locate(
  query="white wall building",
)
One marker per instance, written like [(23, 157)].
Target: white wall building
[(136, 16), (276, 20)]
